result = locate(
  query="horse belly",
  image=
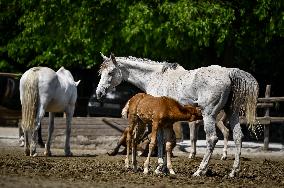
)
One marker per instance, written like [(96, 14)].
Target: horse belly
[(55, 106)]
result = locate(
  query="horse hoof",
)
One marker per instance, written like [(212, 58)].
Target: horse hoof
[(232, 174), (22, 144), (191, 156), (34, 155), (41, 144), (146, 171), (112, 153), (172, 172), (158, 171), (69, 154), (196, 174), (223, 157), (47, 154), (199, 173), (135, 169)]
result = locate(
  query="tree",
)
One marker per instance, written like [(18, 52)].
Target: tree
[(193, 33)]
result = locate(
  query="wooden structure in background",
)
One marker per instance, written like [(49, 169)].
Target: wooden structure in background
[(93, 127), (267, 102), (90, 127)]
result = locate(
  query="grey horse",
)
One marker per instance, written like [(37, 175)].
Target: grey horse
[(213, 88), (44, 90)]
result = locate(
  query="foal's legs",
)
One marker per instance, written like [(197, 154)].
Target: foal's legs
[(211, 139), (151, 146), (121, 141), (193, 127), (50, 131), (237, 136), (139, 130), (69, 115), (168, 139), (129, 137), (134, 148), (221, 122)]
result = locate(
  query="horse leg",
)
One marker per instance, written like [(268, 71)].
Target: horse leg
[(237, 136), (121, 141), (134, 149), (128, 140), (211, 140), (40, 141), (40, 114), (21, 136), (151, 148), (173, 142), (50, 131), (168, 140), (193, 127), (26, 142), (225, 131), (160, 146), (69, 115)]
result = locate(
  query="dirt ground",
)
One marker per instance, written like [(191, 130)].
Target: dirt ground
[(88, 169)]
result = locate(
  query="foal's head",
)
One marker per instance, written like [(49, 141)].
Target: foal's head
[(195, 112), (111, 76)]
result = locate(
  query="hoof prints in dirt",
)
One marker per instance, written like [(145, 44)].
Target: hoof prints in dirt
[(105, 171)]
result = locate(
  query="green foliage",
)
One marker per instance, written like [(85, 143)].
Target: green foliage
[(194, 33)]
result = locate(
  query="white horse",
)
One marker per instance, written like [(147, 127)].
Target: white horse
[(213, 88), (41, 90)]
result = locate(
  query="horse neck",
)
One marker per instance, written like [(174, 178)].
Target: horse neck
[(139, 73), (184, 114)]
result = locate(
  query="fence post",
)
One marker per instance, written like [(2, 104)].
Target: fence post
[(266, 127)]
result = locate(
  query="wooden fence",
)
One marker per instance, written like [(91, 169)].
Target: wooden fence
[(90, 127), (93, 127), (268, 102)]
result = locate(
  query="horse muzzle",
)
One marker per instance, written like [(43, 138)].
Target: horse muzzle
[(100, 95)]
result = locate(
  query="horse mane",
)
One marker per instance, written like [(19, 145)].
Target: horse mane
[(103, 66), (165, 64)]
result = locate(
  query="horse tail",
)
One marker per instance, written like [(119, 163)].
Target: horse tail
[(30, 100), (245, 93)]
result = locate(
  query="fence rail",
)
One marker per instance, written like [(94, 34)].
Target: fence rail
[(265, 103), (268, 102)]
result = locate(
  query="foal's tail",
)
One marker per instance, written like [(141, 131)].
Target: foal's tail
[(124, 112), (29, 100), (245, 92)]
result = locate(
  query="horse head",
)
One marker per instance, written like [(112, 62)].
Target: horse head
[(111, 76)]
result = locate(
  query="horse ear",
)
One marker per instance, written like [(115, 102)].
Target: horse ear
[(77, 83), (113, 58), (103, 56)]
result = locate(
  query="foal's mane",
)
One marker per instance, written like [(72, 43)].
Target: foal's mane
[(165, 64)]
